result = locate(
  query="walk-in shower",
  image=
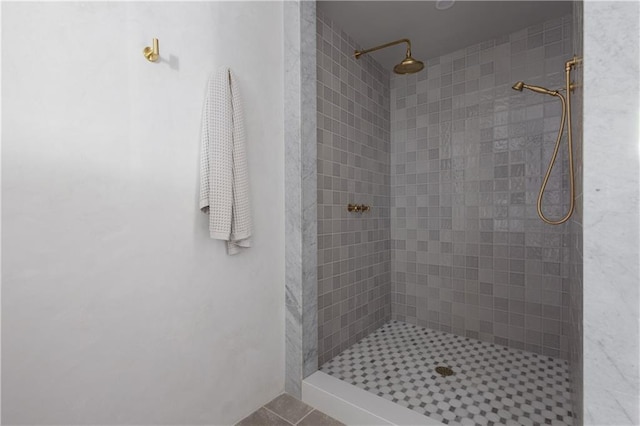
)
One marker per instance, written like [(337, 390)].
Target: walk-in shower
[(449, 297)]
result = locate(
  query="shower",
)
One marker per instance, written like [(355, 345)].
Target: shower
[(408, 65), (446, 281), (566, 117)]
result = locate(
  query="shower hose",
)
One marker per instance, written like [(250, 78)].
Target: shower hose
[(566, 116)]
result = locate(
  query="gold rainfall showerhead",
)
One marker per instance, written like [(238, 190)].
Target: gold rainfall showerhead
[(409, 65)]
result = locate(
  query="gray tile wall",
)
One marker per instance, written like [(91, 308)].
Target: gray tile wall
[(575, 231), (469, 254), (354, 257)]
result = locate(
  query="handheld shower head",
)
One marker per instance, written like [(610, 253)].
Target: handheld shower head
[(521, 85), (518, 86)]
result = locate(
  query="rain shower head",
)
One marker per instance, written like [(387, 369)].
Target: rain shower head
[(521, 85), (409, 65)]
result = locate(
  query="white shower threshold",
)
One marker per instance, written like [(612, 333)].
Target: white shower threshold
[(354, 406)]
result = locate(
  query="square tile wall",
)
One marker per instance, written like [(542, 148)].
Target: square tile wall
[(468, 153), (354, 252)]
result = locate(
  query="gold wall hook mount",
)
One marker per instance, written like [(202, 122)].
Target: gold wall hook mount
[(152, 53)]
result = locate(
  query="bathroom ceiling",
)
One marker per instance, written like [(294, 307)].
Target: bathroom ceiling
[(434, 32)]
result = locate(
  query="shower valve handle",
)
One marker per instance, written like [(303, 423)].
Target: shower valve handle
[(358, 208), (354, 208)]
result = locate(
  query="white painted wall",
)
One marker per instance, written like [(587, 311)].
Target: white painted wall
[(116, 306)]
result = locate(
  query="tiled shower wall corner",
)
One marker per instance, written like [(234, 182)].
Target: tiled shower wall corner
[(354, 257), (575, 230), (469, 254)]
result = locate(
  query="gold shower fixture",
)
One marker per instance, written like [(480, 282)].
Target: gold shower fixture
[(566, 117), (409, 65), (521, 85), (358, 208)]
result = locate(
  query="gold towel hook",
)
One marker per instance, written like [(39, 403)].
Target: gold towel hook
[(152, 53)]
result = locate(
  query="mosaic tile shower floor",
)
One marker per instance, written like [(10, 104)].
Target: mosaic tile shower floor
[(491, 384)]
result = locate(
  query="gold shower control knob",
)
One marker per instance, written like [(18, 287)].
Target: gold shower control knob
[(354, 208), (358, 208)]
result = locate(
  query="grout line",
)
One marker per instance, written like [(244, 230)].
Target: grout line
[(310, 411), (306, 415), (273, 412)]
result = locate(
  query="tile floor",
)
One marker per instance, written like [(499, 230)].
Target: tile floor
[(286, 410), (491, 384)]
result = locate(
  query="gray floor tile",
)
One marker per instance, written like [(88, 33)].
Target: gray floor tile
[(263, 417), (289, 408), (316, 418)]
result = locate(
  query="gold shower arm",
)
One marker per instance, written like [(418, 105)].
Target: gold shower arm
[(358, 53)]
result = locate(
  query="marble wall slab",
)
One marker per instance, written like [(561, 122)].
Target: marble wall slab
[(301, 248), (611, 211)]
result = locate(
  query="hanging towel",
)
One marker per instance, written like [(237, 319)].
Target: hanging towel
[(224, 178)]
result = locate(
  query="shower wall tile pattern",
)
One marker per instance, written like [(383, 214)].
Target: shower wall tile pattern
[(491, 384), (469, 254), (354, 253)]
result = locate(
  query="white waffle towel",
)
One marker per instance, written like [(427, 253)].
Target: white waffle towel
[(224, 177)]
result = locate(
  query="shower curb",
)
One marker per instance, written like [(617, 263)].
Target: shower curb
[(354, 406)]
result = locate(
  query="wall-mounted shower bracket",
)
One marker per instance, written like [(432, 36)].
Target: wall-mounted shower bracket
[(568, 66), (573, 62)]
